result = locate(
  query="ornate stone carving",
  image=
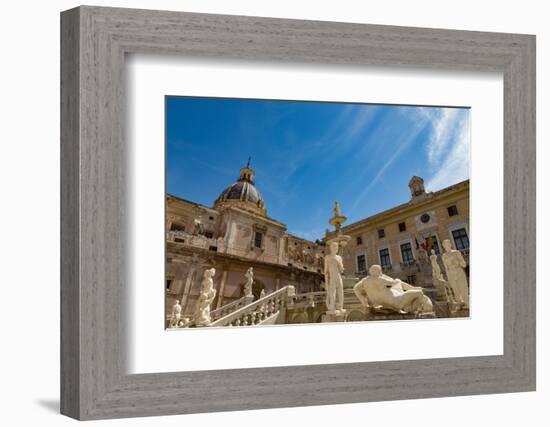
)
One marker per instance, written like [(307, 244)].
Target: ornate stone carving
[(206, 296)]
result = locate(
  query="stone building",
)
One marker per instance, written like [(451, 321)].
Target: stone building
[(399, 239), (233, 235), (237, 233)]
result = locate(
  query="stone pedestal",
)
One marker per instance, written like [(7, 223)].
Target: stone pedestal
[(335, 316)]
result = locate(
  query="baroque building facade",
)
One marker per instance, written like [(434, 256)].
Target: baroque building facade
[(237, 233), (400, 239)]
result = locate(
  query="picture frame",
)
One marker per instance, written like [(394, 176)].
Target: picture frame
[(94, 268)]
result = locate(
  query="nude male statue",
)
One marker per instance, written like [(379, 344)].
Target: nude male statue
[(334, 285), (176, 315)]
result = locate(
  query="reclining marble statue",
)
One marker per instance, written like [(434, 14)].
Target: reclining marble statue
[(206, 296), (334, 285), (454, 265), (380, 291)]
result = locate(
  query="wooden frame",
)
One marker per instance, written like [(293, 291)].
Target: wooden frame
[(93, 265)]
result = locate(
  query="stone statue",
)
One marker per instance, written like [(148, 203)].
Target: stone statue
[(436, 271), (197, 226), (206, 296), (454, 265), (175, 319), (336, 209), (249, 281), (381, 291), (333, 280)]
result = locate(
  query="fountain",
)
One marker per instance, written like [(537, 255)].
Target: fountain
[(334, 269)]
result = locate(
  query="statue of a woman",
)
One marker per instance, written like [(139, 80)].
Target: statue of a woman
[(249, 281), (206, 296), (454, 265), (436, 271)]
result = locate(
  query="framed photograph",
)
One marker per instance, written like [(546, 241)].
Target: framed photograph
[(278, 213)]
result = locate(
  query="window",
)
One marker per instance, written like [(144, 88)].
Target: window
[(213, 248), (258, 239), (359, 240), (381, 233), (452, 210), (411, 280), (402, 227), (208, 234), (177, 227), (461, 239), (361, 263), (168, 283), (385, 257), (406, 252)]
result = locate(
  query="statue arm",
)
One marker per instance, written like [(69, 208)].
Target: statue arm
[(340, 265), (461, 260), (359, 291), (409, 287)]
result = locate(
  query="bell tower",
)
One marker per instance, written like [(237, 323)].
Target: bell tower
[(416, 185)]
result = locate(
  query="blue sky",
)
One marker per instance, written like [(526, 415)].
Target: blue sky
[(306, 155)]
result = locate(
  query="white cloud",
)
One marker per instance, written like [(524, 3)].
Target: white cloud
[(405, 144), (453, 165)]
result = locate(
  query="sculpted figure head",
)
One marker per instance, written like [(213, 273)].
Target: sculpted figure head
[(209, 273), (333, 248), (375, 270), (447, 245)]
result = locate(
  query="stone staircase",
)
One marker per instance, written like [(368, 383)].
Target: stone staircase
[(268, 310), (283, 304)]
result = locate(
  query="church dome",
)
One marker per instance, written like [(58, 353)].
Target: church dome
[(241, 190), (243, 193)]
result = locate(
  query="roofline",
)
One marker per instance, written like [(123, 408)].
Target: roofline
[(408, 204), (361, 222), (228, 207), (189, 201)]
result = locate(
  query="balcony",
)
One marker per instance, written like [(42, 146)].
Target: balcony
[(410, 265), (197, 241)]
